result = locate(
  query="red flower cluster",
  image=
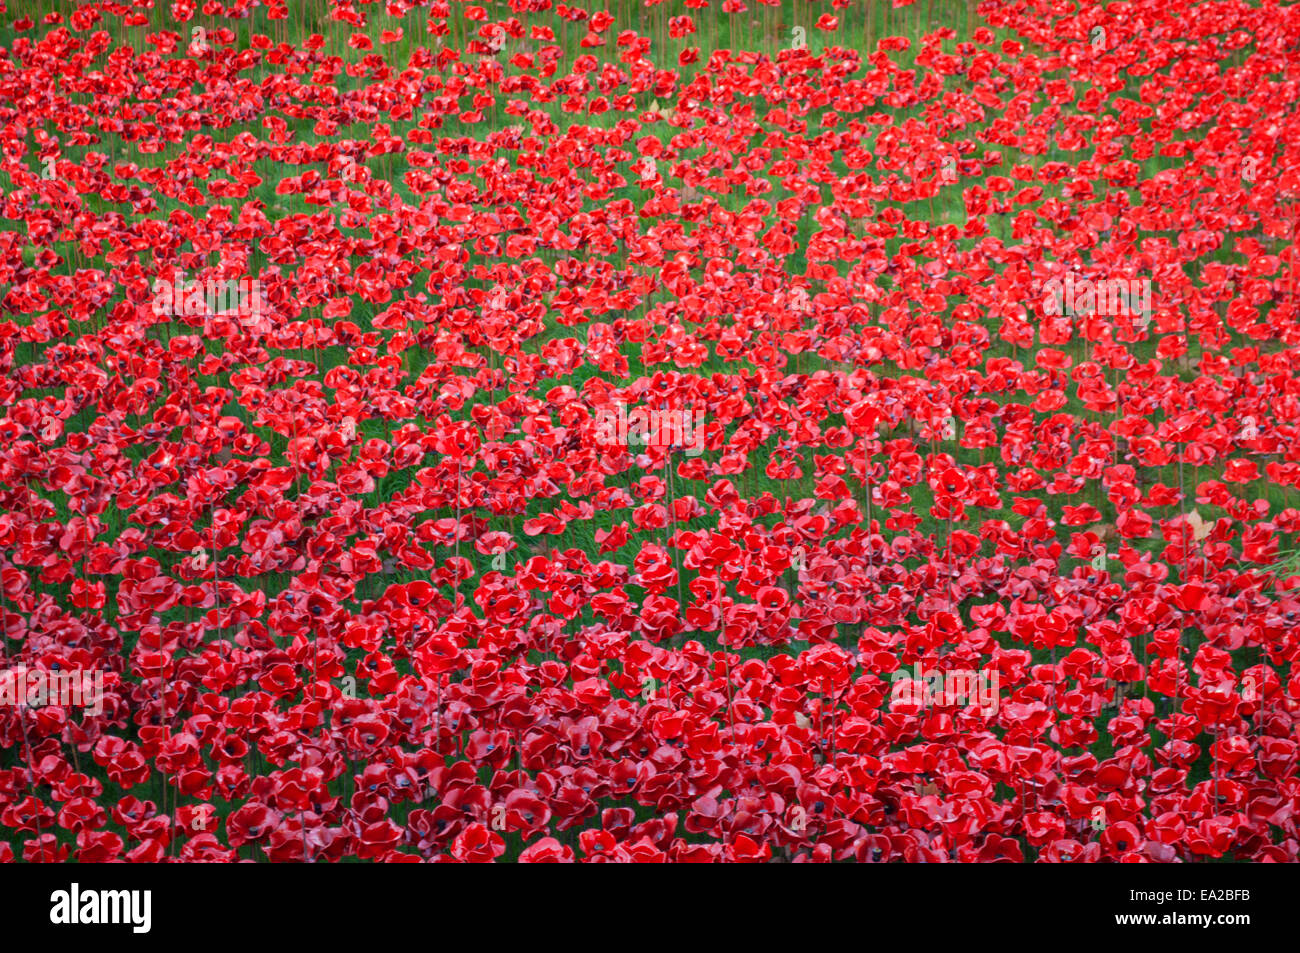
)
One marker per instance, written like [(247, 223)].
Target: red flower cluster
[(979, 365)]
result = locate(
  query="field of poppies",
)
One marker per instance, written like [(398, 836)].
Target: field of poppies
[(682, 431)]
